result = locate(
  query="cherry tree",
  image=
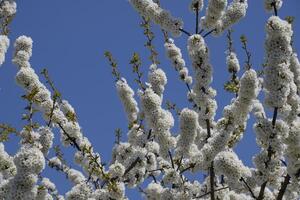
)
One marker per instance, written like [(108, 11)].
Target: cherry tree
[(155, 160)]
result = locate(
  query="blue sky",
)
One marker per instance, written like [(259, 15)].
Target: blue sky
[(69, 40)]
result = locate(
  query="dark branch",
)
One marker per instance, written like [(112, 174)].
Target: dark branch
[(283, 187), (208, 33), (133, 164), (248, 187), (171, 158), (212, 181), (262, 191), (185, 32), (197, 17), (274, 7)]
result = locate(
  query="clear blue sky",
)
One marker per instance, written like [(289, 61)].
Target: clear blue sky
[(69, 40)]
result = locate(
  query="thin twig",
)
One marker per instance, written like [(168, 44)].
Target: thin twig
[(197, 17), (133, 164), (208, 33), (270, 153), (250, 190), (185, 32), (274, 7), (171, 158)]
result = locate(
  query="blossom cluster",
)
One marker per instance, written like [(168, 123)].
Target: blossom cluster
[(220, 17), (232, 62), (158, 79), (228, 164), (126, 95), (214, 12), (4, 44), (8, 8), (188, 132), (196, 5), (278, 51), (174, 54), (62, 117), (202, 94), (159, 120), (270, 4), (153, 11), (29, 162), (152, 151), (235, 114)]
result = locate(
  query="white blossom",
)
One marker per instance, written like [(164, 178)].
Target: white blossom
[(235, 12), (116, 170), (188, 132), (7, 166), (126, 95), (152, 10), (8, 8), (79, 192), (4, 44), (158, 79), (153, 191), (214, 13), (232, 62), (46, 139), (228, 164), (269, 4), (196, 5), (158, 119), (202, 94), (277, 73), (175, 56)]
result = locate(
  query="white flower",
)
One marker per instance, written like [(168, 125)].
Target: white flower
[(188, 132), (153, 191), (150, 9), (228, 164), (29, 159), (48, 184), (7, 166), (234, 13), (171, 176), (232, 62), (158, 119), (214, 13), (269, 4), (175, 56), (55, 163), (118, 192), (295, 68), (79, 192), (126, 95), (45, 139), (196, 5), (4, 44), (66, 107), (157, 79), (8, 8), (116, 170), (278, 53), (203, 95), (75, 176), (24, 43)]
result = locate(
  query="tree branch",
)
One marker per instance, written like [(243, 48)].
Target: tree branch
[(185, 32), (283, 187), (248, 187)]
